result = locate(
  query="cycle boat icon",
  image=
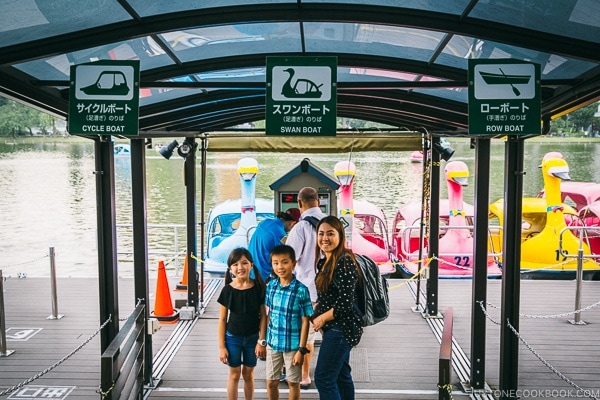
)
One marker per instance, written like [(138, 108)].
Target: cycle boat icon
[(108, 83)]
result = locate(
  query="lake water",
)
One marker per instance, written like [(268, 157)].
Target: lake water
[(49, 197)]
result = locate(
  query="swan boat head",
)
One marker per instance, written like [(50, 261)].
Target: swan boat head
[(247, 169)]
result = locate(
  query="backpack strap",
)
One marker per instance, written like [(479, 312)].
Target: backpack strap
[(311, 220)]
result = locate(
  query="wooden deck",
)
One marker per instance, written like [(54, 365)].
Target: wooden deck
[(397, 358)]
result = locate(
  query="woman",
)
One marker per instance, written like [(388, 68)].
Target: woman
[(335, 314)]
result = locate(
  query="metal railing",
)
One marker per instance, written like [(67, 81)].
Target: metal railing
[(163, 241), (406, 235), (122, 363), (445, 358)]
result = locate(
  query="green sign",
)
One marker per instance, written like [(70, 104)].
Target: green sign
[(301, 96), (104, 98), (504, 97)]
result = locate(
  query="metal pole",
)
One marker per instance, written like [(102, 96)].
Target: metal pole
[(511, 260), (192, 239), (3, 351), (577, 320), (203, 152), (424, 204), (434, 229), (55, 314), (480, 258)]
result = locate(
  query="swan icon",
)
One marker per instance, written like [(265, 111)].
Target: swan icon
[(302, 88)]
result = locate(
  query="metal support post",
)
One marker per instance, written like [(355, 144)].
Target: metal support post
[(434, 228), (511, 272), (192, 239), (3, 351), (480, 261), (55, 314)]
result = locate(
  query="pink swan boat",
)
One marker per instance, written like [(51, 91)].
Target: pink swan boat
[(456, 232), (366, 226)]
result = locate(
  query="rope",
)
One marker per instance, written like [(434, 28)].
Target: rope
[(422, 272), (25, 262), (56, 364), (561, 315), (587, 393), (448, 388), (65, 358)]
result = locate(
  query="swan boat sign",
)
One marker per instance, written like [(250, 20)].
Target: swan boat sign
[(301, 96)]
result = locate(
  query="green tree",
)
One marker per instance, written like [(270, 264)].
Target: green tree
[(578, 121), (17, 119)]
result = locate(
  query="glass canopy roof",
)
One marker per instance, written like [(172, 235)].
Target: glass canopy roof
[(402, 63)]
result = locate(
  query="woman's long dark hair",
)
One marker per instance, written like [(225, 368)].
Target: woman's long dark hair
[(325, 276), (235, 256)]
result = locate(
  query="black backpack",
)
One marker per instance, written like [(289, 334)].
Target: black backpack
[(372, 301)]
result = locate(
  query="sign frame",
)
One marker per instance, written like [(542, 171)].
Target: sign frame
[(301, 98), (504, 97), (104, 98)]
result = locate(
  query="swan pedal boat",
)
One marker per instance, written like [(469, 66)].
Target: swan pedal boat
[(122, 150), (232, 223), (455, 260), (223, 232), (548, 245), (585, 197), (456, 243), (370, 236)]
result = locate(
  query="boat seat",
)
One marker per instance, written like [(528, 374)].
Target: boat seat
[(215, 241), (375, 240)]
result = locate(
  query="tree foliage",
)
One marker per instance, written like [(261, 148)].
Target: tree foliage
[(579, 121), (18, 120)]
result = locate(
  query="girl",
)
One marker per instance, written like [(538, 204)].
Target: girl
[(337, 276), (242, 322)]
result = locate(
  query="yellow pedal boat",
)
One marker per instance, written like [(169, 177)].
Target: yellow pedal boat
[(548, 249)]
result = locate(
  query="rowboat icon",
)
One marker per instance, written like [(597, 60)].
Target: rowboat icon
[(491, 78)]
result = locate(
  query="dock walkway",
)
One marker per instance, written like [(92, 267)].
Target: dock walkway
[(396, 359)]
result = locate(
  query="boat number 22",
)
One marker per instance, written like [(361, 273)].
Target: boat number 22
[(463, 261)]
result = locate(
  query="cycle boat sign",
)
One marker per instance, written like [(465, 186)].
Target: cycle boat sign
[(504, 97), (104, 98), (301, 96)]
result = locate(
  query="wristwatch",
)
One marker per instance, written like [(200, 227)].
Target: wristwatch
[(263, 343), (303, 350)]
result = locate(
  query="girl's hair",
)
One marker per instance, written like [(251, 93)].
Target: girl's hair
[(324, 278), (235, 256)]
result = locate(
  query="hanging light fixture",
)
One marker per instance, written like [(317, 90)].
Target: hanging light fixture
[(443, 149), (167, 151), (186, 148)]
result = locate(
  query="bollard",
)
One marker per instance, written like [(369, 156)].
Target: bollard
[(3, 351), (577, 320), (55, 314)]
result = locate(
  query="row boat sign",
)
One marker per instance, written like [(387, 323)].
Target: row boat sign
[(504, 97), (104, 98), (301, 96)]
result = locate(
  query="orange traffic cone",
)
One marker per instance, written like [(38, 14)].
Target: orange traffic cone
[(163, 307), (181, 286)]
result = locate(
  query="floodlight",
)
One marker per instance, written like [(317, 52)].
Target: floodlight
[(443, 149), (186, 148), (167, 151)]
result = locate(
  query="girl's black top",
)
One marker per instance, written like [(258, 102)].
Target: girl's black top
[(244, 309)]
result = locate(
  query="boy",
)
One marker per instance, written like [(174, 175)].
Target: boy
[(289, 309)]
